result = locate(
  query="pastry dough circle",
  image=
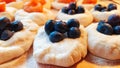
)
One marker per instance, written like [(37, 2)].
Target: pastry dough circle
[(9, 13), (37, 17), (105, 46), (84, 18), (57, 5), (61, 53), (19, 43), (97, 15), (103, 15)]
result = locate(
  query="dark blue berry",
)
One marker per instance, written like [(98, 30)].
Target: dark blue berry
[(105, 29), (117, 29), (73, 23), (80, 9), (56, 36), (4, 22), (72, 6), (98, 7), (16, 26), (71, 12), (112, 7), (114, 20), (65, 10), (60, 26), (6, 34), (101, 22), (103, 9), (49, 26), (73, 32)]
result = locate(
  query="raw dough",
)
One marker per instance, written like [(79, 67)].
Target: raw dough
[(19, 43), (9, 13), (84, 18), (37, 17), (64, 53), (105, 46), (97, 15)]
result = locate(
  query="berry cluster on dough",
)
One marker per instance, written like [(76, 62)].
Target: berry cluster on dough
[(58, 30), (112, 26), (7, 28), (73, 9), (101, 8)]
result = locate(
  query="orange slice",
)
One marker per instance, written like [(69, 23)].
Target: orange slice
[(2, 6), (7, 1), (42, 2), (66, 1), (89, 1), (33, 6)]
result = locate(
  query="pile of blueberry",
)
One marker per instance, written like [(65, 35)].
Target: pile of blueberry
[(58, 30), (112, 26), (7, 28), (73, 9), (101, 8)]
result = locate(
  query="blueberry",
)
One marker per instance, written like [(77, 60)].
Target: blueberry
[(73, 32), (71, 12), (105, 29), (112, 7), (117, 29), (114, 20), (1, 32), (72, 6), (16, 26), (73, 23), (80, 9), (6, 34), (4, 22), (98, 7), (65, 10), (103, 9), (49, 26), (56, 36), (60, 26), (101, 22)]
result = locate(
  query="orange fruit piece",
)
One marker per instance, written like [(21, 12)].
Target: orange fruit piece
[(66, 1), (89, 1), (2, 6), (42, 2), (7, 1), (33, 6)]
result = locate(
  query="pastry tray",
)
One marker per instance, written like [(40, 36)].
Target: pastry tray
[(90, 61)]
